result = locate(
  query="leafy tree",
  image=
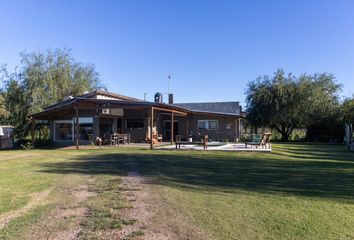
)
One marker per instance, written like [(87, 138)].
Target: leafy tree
[(285, 102), (347, 110), (4, 114), (44, 78)]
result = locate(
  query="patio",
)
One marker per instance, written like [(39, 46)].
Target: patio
[(217, 146)]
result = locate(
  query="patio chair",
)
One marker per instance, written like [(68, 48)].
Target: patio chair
[(112, 139), (253, 140), (120, 138), (266, 140)]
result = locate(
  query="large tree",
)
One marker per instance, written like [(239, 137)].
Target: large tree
[(347, 110), (44, 78), (285, 102)]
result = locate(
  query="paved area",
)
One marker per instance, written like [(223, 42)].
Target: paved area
[(215, 146)]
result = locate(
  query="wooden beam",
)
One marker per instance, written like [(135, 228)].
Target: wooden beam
[(169, 110), (172, 128), (77, 127), (236, 130), (32, 132), (239, 128), (151, 127), (187, 128)]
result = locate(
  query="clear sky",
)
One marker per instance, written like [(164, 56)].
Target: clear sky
[(212, 49)]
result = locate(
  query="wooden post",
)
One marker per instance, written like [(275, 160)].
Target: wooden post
[(77, 127), (32, 132), (236, 130), (239, 129), (151, 127), (187, 128), (172, 128)]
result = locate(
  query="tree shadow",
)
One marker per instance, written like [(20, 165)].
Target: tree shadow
[(211, 171)]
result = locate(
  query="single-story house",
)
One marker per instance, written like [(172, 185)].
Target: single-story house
[(81, 119)]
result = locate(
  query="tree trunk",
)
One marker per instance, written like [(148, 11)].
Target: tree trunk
[(284, 136)]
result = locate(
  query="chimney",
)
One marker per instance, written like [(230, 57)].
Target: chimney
[(158, 98), (170, 98)]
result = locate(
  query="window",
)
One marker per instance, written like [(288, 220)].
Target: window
[(85, 131), (135, 123), (208, 124), (63, 130), (85, 128)]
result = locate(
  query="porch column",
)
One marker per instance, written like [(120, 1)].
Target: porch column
[(236, 130), (77, 127), (239, 128), (172, 128), (187, 128), (32, 132), (151, 127)]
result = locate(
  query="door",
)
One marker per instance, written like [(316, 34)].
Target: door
[(119, 126), (167, 132)]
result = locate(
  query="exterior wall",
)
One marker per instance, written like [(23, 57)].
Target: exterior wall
[(136, 134), (187, 125), (222, 134)]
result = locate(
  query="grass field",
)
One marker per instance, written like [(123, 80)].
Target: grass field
[(300, 191)]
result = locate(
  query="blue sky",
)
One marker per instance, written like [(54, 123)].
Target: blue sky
[(212, 49)]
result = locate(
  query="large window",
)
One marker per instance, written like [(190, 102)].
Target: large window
[(208, 124), (135, 123), (63, 130), (86, 128)]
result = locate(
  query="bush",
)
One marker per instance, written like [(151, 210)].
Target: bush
[(27, 145)]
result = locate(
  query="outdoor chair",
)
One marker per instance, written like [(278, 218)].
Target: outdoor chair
[(253, 140), (113, 139), (265, 143)]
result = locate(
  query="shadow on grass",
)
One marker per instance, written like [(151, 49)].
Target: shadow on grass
[(306, 173)]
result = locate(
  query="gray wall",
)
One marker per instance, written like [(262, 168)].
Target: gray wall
[(137, 134), (222, 134)]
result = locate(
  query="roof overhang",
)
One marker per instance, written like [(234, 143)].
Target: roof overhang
[(92, 103)]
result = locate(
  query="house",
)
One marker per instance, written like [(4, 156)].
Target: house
[(99, 113)]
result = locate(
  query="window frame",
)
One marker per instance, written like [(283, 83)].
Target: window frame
[(67, 121), (82, 120), (207, 125)]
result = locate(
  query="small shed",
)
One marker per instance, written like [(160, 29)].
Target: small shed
[(6, 137)]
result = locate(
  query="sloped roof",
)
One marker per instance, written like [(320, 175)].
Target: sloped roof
[(232, 108), (93, 94), (109, 94), (113, 99)]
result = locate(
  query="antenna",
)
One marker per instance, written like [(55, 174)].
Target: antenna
[(168, 84)]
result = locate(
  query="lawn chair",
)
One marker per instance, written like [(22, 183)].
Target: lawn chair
[(253, 140), (265, 143)]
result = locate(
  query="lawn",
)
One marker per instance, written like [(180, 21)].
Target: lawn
[(300, 191)]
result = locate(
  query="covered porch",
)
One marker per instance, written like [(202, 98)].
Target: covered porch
[(80, 121)]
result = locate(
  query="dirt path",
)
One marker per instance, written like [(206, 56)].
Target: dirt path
[(151, 216), (154, 219), (37, 199), (64, 221)]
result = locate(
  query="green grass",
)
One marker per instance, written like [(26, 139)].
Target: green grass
[(300, 191)]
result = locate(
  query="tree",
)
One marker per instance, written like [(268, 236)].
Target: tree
[(52, 75), (347, 110), (44, 78), (285, 102), (4, 114)]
